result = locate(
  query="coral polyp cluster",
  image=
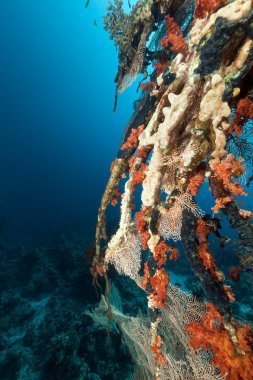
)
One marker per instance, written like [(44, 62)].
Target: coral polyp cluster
[(194, 112)]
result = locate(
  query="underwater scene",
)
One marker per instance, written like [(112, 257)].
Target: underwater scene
[(126, 198)]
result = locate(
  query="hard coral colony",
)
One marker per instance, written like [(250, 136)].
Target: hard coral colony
[(197, 103)]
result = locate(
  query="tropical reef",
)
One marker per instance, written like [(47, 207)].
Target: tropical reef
[(190, 134), (46, 331)]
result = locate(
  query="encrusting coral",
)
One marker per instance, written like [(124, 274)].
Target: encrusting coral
[(178, 138)]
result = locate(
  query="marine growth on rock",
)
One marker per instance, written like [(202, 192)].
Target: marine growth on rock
[(192, 127)]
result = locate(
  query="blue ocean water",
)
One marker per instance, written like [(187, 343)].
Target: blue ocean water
[(58, 137), (58, 132)]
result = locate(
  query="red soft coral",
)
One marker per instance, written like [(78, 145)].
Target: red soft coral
[(117, 195), (161, 65), (243, 112), (139, 175), (234, 273), (202, 231), (221, 203), (145, 276), (228, 168), (207, 7), (159, 283), (209, 262), (174, 37), (195, 182), (133, 138), (174, 255), (156, 348), (160, 252), (141, 219), (144, 239), (204, 253), (211, 334), (142, 227), (143, 152), (147, 86), (245, 338), (141, 222)]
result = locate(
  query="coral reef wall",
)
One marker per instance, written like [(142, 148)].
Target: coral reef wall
[(192, 126)]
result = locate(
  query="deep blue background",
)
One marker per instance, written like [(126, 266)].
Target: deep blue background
[(58, 133)]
